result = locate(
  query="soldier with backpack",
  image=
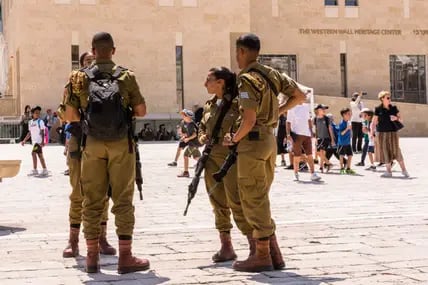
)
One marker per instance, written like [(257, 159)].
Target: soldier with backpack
[(74, 161), (108, 96)]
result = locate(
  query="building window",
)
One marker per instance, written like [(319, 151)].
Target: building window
[(351, 2), (1, 19), (282, 63), (408, 79), (75, 57), (330, 2), (179, 74), (343, 75)]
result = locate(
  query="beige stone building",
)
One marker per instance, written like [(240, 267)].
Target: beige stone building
[(334, 46)]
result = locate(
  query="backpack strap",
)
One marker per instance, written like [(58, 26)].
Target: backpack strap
[(91, 72), (119, 69)]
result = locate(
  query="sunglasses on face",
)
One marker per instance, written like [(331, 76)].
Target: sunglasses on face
[(387, 98)]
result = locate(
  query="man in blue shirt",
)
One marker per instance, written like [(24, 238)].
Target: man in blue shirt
[(344, 141)]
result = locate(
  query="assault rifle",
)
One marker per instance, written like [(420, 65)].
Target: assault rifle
[(200, 165), (138, 166), (133, 138), (227, 164), (193, 186)]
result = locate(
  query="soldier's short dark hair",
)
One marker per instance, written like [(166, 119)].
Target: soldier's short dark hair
[(249, 41), (344, 111), (102, 41)]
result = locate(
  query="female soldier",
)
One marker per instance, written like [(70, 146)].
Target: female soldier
[(223, 196)]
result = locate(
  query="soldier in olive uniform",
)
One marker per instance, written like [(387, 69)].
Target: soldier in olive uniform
[(224, 197), (107, 162), (74, 165), (258, 89)]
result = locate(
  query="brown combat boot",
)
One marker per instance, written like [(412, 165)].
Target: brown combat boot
[(105, 247), (226, 252), (93, 256), (72, 249), (251, 244), (127, 262), (261, 261), (275, 253)]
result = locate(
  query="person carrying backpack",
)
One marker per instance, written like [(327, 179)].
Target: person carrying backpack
[(37, 131), (74, 163), (108, 96), (324, 134)]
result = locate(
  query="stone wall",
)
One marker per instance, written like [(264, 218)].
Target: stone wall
[(8, 107)]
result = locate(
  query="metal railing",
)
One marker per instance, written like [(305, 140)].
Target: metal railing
[(10, 130)]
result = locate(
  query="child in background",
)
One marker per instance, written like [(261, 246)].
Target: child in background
[(367, 116), (37, 134), (344, 141), (324, 134), (190, 137)]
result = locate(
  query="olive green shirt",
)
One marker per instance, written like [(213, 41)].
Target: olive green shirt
[(255, 92), (210, 116), (79, 86)]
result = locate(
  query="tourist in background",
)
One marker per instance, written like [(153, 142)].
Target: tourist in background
[(357, 125), (25, 118), (387, 119)]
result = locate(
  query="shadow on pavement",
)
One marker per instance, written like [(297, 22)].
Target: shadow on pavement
[(4, 231), (227, 264), (108, 273), (311, 182), (148, 278), (283, 277)]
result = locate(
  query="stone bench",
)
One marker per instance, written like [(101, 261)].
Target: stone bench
[(9, 168)]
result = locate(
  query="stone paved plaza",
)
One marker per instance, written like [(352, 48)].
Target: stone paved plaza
[(347, 230)]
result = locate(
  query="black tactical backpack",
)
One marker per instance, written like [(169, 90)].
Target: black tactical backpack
[(106, 117)]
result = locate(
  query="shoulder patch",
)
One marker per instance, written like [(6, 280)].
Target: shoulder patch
[(244, 95)]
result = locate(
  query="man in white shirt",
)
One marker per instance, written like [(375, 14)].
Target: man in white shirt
[(299, 122), (37, 130)]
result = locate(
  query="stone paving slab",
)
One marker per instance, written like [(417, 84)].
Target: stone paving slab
[(346, 230)]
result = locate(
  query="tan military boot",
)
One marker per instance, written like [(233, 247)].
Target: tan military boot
[(251, 244), (93, 256), (275, 253), (72, 249), (261, 261), (127, 262), (105, 247), (226, 252)]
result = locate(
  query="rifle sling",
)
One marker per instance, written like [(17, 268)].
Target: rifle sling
[(224, 108), (265, 77)]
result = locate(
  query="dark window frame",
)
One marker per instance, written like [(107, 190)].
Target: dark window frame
[(351, 3), (289, 60), (331, 3), (75, 63), (179, 75), (408, 78)]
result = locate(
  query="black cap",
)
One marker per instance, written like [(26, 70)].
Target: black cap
[(250, 41), (321, 106), (102, 38)]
